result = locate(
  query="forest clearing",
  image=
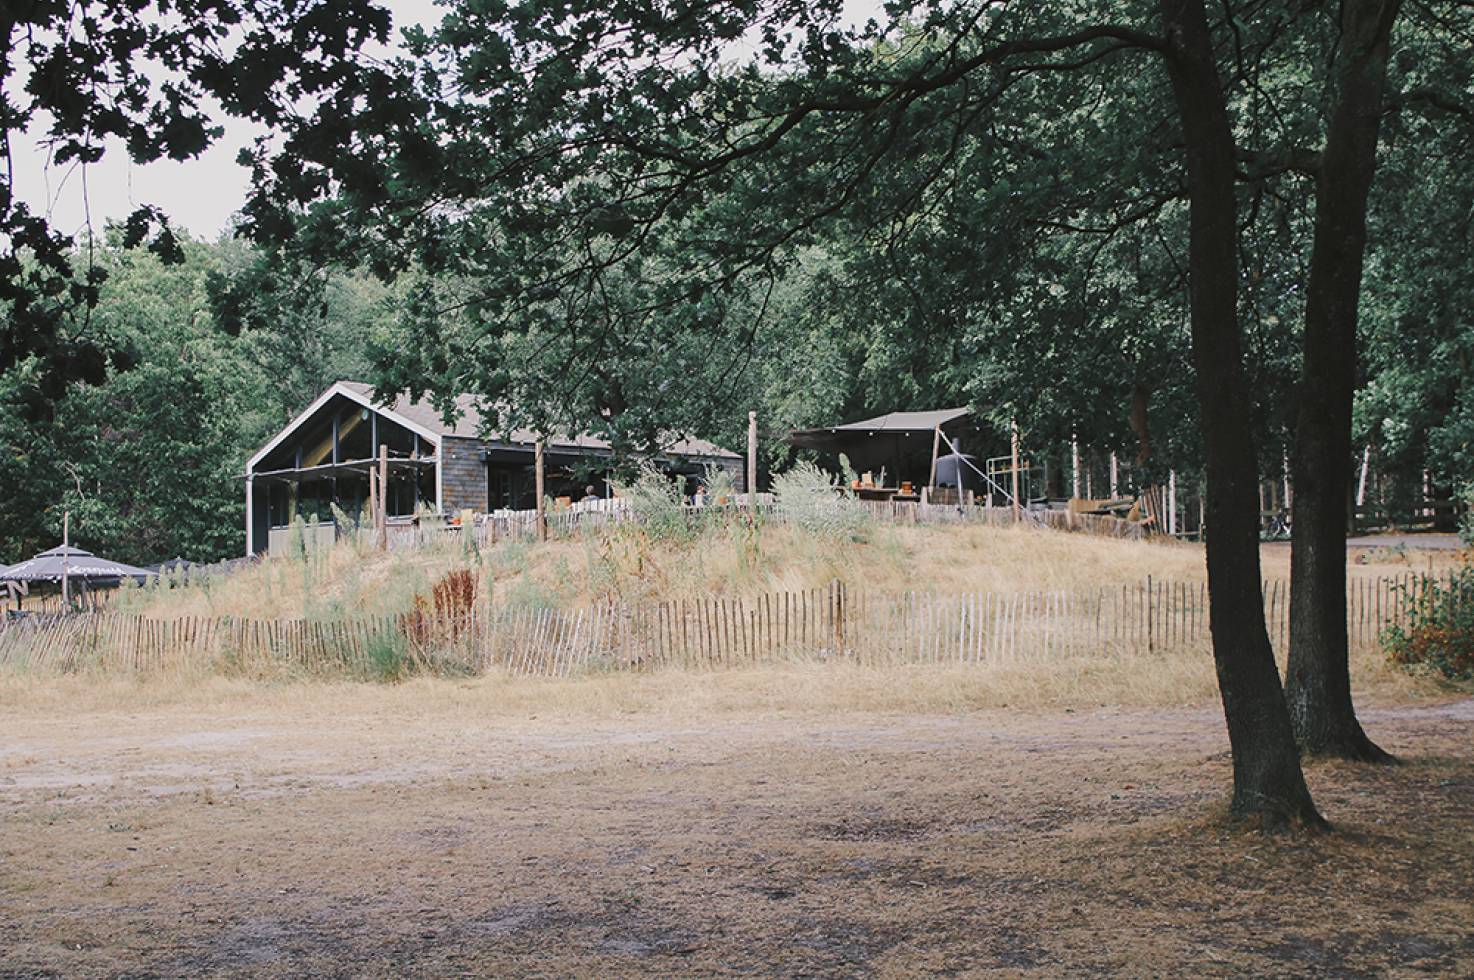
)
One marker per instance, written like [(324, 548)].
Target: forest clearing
[(773, 487), (810, 820), (1047, 814)]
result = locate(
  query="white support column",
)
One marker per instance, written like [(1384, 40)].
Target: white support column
[(440, 476), (250, 513), (1285, 463), (1115, 476)]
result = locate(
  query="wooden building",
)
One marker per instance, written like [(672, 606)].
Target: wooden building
[(322, 457)]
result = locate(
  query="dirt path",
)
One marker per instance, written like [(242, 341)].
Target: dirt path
[(346, 843)]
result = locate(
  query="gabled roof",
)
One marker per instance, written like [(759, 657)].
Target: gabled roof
[(421, 417), (468, 422), (353, 391)]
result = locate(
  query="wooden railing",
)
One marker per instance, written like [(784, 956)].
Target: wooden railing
[(865, 627), (522, 525)]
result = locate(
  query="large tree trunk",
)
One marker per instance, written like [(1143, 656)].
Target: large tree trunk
[(1318, 686), (1268, 785)]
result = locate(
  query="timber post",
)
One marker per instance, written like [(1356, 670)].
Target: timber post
[(382, 517), (373, 498), (936, 448), (539, 481), (1013, 452), (752, 460)]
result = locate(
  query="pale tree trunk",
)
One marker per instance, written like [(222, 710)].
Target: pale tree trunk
[(1318, 683), (1268, 784)]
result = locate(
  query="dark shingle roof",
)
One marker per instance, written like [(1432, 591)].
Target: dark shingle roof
[(468, 426)]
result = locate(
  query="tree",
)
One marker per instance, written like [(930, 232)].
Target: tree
[(1318, 683), (148, 460), (145, 74), (617, 135), (1416, 409)]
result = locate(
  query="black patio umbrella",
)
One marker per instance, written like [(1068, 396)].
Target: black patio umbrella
[(72, 564)]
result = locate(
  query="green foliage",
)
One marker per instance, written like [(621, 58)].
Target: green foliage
[(1438, 633), (717, 484), (657, 504), (809, 499), (145, 78), (148, 461), (387, 656)]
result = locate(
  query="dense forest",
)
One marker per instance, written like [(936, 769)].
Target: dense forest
[(210, 355)]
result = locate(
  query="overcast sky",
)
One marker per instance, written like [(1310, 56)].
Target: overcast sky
[(199, 195)]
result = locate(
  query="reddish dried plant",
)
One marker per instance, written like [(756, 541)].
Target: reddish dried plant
[(446, 614)]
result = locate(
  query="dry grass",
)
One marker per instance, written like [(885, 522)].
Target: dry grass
[(1177, 678), (628, 566), (449, 830)]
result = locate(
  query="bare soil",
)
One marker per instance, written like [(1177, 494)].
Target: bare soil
[(343, 839)]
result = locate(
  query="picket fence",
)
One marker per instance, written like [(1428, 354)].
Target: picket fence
[(859, 626), (405, 533)]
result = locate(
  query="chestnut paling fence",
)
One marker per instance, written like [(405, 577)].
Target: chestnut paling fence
[(834, 623)]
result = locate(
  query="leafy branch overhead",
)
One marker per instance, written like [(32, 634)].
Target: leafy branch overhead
[(153, 78)]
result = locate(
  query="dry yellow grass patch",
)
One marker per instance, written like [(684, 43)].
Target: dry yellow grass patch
[(1179, 678), (626, 565)]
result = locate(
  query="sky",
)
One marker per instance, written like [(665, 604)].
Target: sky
[(199, 195)]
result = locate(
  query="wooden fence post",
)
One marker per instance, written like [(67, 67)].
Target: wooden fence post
[(540, 479), (382, 517), (752, 460), (1013, 453)]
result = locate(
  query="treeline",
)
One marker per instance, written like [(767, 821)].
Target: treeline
[(205, 358), (1018, 250)]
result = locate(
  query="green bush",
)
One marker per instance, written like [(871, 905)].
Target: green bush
[(387, 657), (657, 504), (1439, 630), (808, 498)]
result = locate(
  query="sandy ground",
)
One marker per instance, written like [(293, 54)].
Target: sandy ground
[(349, 839)]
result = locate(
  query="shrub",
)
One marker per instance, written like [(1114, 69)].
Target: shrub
[(446, 614), (387, 657), (717, 484), (1439, 629), (809, 499), (657, 504)]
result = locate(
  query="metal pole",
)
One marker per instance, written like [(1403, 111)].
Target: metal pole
[(66, 542)]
